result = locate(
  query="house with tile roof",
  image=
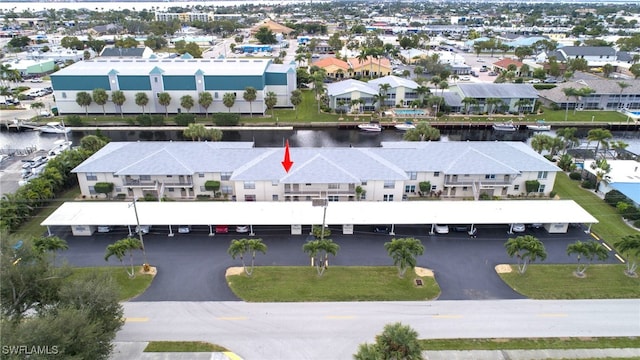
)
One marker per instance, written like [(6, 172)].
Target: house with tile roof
[(275, 27), (334, 68), (178, 77), (180, 170), (608, 94), (370, 67), (503, 65)]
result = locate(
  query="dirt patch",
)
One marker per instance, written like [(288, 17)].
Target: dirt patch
[(237, 270), (423, 272), (503, 268)]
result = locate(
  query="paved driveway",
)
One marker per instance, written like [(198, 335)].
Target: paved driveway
[(191, 266)]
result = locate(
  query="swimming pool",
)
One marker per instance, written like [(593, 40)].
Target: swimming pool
[(409, 112)]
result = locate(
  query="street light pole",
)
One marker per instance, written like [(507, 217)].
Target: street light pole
[(135, 210)]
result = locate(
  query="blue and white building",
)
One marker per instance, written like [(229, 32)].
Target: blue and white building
[(178, 77)]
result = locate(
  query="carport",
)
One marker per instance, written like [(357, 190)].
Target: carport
[(84, 217)]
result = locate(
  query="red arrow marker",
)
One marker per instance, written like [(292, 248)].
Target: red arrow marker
[(287, 163)]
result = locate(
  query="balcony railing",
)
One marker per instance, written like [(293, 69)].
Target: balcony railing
[(179, 184), (138, 183), (469, 181)]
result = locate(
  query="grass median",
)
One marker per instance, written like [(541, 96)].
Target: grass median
[(529, 343), (127, 288), (339, 283)]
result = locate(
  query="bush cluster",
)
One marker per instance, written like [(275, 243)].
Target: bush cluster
[(575, 176), (226, 119)]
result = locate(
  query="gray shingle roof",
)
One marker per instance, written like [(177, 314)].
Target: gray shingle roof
[(503, 91), (122, 52), (314, 165), (574, 51)]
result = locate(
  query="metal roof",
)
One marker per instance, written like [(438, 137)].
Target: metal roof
[(501, 91), (303, 213)]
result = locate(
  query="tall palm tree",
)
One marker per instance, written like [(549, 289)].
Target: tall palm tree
[(242, 246), (623, 85), (270, 101), (630, 247), (319, 251), (492, 104), (467, 101), (141, 100), (421, 91), (100, 97), (296, 99), (601, 137), (118, 99), (228, 99), (362, 57), (164, 99), (383, 91), (568, 92), (205, 100), (589, 250), (568, 136), (52, 244), (404, 251), (527, 249), (250, 95), (186, 101), (120, 248)]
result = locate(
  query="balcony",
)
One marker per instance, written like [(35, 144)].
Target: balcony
[(454, 180), (179, 184), (296, 189), (138, 183)]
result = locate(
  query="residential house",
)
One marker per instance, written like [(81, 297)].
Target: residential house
[(334, 68), (401, 92), (624, 176), (180, 170), (370, 67), (140, 52), (513, 98), (608, 94)]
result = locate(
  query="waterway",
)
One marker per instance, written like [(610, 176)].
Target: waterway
[(328, 137)]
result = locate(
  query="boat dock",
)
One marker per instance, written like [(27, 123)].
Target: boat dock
[(18, 125)]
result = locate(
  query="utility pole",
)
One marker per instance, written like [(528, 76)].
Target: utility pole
[(135, 210)]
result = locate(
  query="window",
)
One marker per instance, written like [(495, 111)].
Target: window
[(412, 175), (490, 176), (169, 176), (249, 198), (118, 189), (249, 185), (364, 183), (436, 174), (145, 177), (171, 189), (388, 197), (389, 184), (333, 198), (215, 95), (410, 188), (64, 95), (225, 176), (115, 176), (465, 188), (92, 176), (434, 187), (542, 174), (201, 175), (541, 188), (334, 186), (155, 80), (516, 187), (226, 189), (274, 197), (92, 190)]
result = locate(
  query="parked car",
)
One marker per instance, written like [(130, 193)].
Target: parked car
[(222, 229), (242, 229), (493, 73), (474, 74), (464, 78), (441, 229), (381, 229), (35, 80), (484, 69), (550, 81), (536, 226), (534, 81), (460, 228), (104, 229), (518, 228), (143, 229), (184, 229)]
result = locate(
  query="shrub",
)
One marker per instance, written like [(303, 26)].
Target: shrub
[(613, 197), (121, 196), (532, 185), (631, 213), (637, 224), (552, 194), (149, 120), (184, 119), (588, 184), (212, 185), (73, 120), (575, 176), (150, 197), (226, 119)]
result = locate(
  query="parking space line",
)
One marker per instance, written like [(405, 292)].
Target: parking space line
[(620, 258), (595, 236), (607, 246)]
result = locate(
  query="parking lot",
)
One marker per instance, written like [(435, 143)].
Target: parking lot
[(191, 267)]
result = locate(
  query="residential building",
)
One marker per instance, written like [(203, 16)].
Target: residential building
[(624, 176), (608, 94), (140, 52), (513, 98), (178, 77), (401, 92), (370, 67), (196, 16), (334, 68), (180, 170)]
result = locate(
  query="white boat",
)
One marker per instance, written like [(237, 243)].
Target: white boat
[(61, 145), (371, 127), (407, 125), (539, 126), (54, 128), (505, 126)]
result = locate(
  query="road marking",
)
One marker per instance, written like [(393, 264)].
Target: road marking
[(446, 316), (230, 355), (230, 318), (553, 315), (595, 236), (136, 319), (619, 258), (335, 317), (607, 246)]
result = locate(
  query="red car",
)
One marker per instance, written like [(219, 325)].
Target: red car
[(222, 229)]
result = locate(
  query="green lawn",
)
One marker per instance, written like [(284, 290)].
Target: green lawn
[(32, 228), (558, 282), (128, 288), (610, 227), (339, 283), (183, 346), (529, 343)]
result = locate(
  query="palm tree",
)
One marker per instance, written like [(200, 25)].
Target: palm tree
[(527, 249), (522, 103), (421, 91), (468, 101), (187, 102), (100, 97), (492, 104), (270, 101), (164, 99), (601, 137), (443, 85), (118, 99), (362, 57), (228, 99), (120, 248), (568, 92), (250, 95), (582, 93), (589, 250), (50, 243), (243, 246), (296, 99), (83, 99), (37, 105), (142, 100), (623, 85), (205, 100), (630, 247), (404, 251), (319, 251), (568, 136), (195, 131), (383, 91)]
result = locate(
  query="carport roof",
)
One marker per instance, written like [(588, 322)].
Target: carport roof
[(303, 213)]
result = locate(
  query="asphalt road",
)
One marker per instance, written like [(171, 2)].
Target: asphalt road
[(191, 267), (319, 331)]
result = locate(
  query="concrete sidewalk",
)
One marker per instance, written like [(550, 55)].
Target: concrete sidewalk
[(134, 351)]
